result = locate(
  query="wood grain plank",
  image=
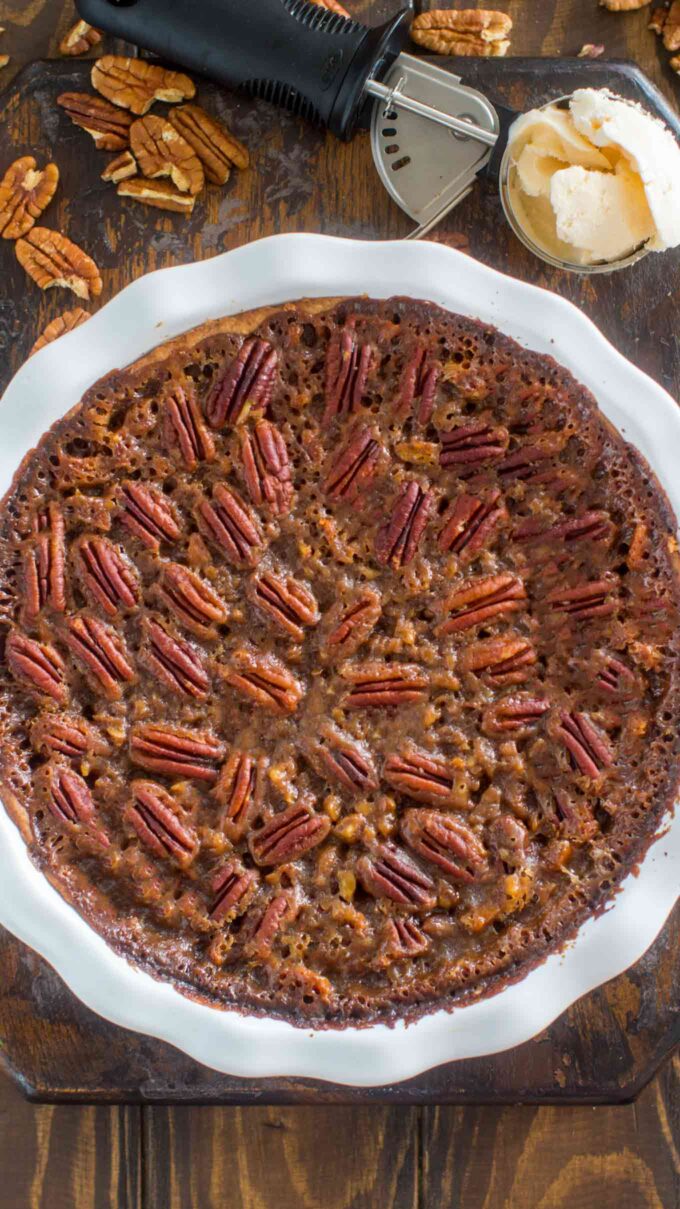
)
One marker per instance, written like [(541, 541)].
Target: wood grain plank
[(257, 1158), (68, 1158)]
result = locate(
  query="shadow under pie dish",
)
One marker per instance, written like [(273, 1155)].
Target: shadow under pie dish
[(348, 699)]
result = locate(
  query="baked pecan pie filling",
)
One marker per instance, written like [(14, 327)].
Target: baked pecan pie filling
[(340, 656)]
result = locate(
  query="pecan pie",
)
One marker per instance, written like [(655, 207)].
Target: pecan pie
[(340, 659)]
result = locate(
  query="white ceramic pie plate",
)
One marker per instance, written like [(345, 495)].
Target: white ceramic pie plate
[(165, 304)]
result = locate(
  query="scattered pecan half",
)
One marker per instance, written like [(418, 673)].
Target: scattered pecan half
[(593, 599), (575, 817), (418, 388), (191, 599), (215, 146), (504, 660), (403, 938), (64, 323), (379, 685), (173, 660), (289, 604), (106, 574), (623, 6), (52, 259), (66, 794), (147, 513), (265, 928), (390, 873), (528, 462), (25, 191), (157, 818), (591, 50), (176, 751), (101, 652), (349, 623), (420, 776), (446, 842), (80, 38), (347, 366), (135, 84), (288, 835), (589, 749), (120, 168), (43, 564), (478, 601), (244, 386), (108, 126), (615, 678), (469, 447), (657, 20), (228, 522), (671, 29), (239, 792), (160, 151), (266, 467), (397, 541), (232, 889), (353, 468), (470, 524), (163, 195), (184, 430), (264, 680), (37, 666), (334, 753), (465, 31), (67, 735), (514, 716)]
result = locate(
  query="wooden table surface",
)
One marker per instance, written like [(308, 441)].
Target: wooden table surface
[(351, 1158)]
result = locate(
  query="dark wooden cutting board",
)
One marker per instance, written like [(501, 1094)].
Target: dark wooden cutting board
[(606, 1047)]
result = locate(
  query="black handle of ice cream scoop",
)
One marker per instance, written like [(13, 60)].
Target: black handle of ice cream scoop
[(298, 55)]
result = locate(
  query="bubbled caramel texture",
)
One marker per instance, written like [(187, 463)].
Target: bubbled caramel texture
[(340, 660)]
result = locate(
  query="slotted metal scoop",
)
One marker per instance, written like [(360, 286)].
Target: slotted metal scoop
[(430, 134)]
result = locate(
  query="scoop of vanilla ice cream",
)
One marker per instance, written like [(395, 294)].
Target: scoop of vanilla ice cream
[(593, 182)]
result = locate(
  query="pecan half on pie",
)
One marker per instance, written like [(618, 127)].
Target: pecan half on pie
[(340, 659)]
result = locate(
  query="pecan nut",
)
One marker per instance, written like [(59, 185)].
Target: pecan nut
[(289, 604), (176, 751), (470, 524), (147, 513), (44, 580), (53, 260), (353, 469), (231, 526), (288, 835), (66, 794), (156, 817), (184, 430), (590, 526), (589, 749), (264, 680), (266, 927), (390, 873), (162, 195), (239, 792), (418, 388), (245, 386), (403, 938), (528, 462), (470, 447), (66, 322), (135, 84), (102, 654), (25, 192), (671, 30), (478, 601), (106, 575), (67, 735), (80, 38), (266, 467), (514, 716), (422, 777), (37, 666), (108, 125), (349, 623), (174, 661), (594, 599), (336, 754), (397, 541), (215, 146), (161, 151), (121, 168), (463, 31), (574, 816), (615, 678), (232, 888), (379, 685), (446, 842), (499, 660), (191, 600), (347, 367)]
